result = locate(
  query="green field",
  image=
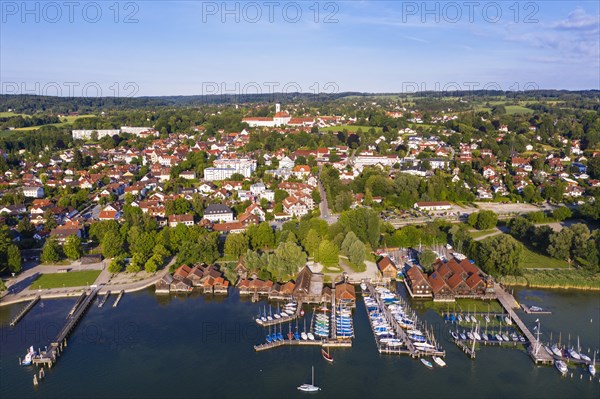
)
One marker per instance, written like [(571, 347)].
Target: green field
[(350, 128), (70, 279), (536, 260), (69, 120), (9, 114), (517, 109)]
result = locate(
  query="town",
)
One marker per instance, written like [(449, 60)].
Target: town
[(300, 203)]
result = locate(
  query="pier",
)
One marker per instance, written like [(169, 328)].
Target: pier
[(508, 302), (282, 319), (77, 303), (409, 347), (50, 355), (118, 298), (24, 311), (104, 299), (345, 343), (528, 310)]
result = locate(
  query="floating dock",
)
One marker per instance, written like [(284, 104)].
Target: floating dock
[(24, 311)]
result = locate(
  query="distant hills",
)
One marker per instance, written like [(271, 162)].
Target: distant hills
[(30, 104)]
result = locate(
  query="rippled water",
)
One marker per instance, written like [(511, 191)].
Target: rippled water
[(155, 347)]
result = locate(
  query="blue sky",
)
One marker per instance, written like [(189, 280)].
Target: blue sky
[(194, 47)]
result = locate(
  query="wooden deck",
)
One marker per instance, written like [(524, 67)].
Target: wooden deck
[(346, 343), (508, 302), (57, 345)]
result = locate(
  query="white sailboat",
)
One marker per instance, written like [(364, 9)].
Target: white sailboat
[(310, 387)]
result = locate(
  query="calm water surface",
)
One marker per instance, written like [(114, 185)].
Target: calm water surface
[(176, 347)]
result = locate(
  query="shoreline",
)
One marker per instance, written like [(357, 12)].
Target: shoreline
[(78, 292), (551, 287)]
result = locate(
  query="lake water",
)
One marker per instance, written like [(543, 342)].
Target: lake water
[(176, 347)]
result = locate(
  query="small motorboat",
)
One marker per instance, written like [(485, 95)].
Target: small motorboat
[(303, 336), (326, 355), (463, 336), (585, 357), (28, 357), (508, 320), (505, 337), (426, 363), (439, 361), (487, 318), (454, 335), (592, 369)]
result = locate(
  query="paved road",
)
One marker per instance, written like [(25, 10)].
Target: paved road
[(324, 207)]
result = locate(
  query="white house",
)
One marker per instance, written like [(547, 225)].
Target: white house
[(218, 213), (33, 191)]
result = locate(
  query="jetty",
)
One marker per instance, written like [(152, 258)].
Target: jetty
[(77, 303), (104, 299), (282, 319), (339, 343), (528, 310), (52, 352), (509, 303), (24, 311), (118, 299)]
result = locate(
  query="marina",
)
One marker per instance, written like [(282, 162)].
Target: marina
[(395, 326), (254, 368)]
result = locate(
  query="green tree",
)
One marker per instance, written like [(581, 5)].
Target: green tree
[(347, 243), (499, 255), (426, 259), (116, 265), (311, 242), (561, 213), (72, 247), (356, 253), (327, 254), (261, 236), (483, 220), (51, 251), (135, 265), (112, 245), (236, 245), (13, 258), (153, 263)]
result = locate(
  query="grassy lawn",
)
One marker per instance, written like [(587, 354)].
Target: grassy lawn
[(9, 114), (70, 279), (478, 233), (534, 260)]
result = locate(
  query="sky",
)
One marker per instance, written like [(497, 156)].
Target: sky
[(147, 48)]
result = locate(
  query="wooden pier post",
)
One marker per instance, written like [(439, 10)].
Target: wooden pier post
[(35, 380)]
